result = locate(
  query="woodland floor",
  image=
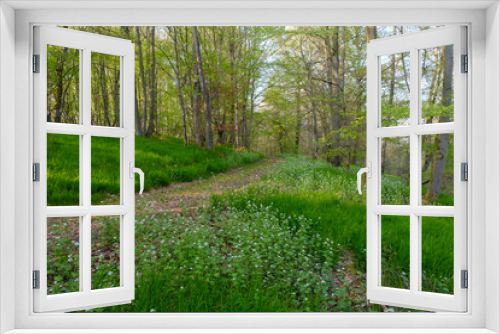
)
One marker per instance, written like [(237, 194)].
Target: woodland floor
[(188, 196)]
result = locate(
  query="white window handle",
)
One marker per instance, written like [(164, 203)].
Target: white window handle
[(134, 170), (368, 171)]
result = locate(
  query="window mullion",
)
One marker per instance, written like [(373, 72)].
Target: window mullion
[(81, 237), (85, 167), (414, 173)]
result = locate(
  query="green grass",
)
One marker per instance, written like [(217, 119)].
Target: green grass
[(328, 196), (164, 161), (273, 246), (223, 260), (231, 260)]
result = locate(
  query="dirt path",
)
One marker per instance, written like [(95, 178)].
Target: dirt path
[(191, 195)]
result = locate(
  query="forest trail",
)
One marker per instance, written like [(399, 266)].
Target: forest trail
[(188, 196)]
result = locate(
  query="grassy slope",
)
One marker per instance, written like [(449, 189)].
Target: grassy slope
[(164, 161)]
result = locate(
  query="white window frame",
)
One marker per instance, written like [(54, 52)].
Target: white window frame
[(414, 43), (86, 44), (484, 103)]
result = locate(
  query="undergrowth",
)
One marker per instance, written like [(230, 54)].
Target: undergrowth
[(164, 161), (328, 196)]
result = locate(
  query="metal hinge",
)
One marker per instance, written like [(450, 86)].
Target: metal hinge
[(464, 173), (36, 63), (36, 279), (465, 279), (465, 64), (36, 172)]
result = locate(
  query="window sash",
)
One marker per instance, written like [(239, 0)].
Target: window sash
[(86, 297), (414, 297)]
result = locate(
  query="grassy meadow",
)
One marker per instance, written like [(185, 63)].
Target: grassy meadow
[(277, 244)]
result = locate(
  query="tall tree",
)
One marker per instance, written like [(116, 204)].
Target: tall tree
[(116, 95), (204, 88), (152, 86), (232, 49), (143, 80), (332, 66), (312, 99), (179, 85), (59, 105), (138, 126), (104, 92), (342, 107), (441, 144), (336, 114), (298, 123), (391, 102), (371, 33), (196, 95)]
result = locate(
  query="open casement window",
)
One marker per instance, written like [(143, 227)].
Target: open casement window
[(416, 137), (83, 245)]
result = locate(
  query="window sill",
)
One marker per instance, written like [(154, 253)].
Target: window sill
[(250, 331)]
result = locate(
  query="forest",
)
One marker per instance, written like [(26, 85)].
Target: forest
[(275, 90), (284, 109)]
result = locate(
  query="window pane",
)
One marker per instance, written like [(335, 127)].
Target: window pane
[(63, 85), (63, 170), (105, 176), (437, 254), (395, 170), (395, 252), (105, 252), (105, 89), (63, 250), (437, 84), (437, 169), (395, 89)]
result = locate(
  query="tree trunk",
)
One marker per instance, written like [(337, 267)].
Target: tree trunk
[(298, 124), (138, 126), (310, 92), (371, 33), (196, 97), (391, 101), (435, 83), (336, 116), (442, 139), (143, 79), (220, 126), (104, 93), (152, 87), (341, 80), (59, 86), (332, 78), (117, 96), (179, 88), (243, 117), (252, 112), (204, 88), (235, 93), (315, 118)]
